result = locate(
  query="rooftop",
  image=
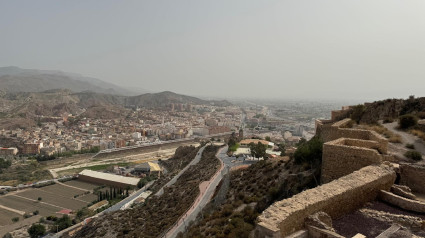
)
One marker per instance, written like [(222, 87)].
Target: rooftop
[(110, 177)]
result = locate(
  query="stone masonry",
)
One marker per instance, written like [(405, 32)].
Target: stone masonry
[(347, 150), (336, 198)]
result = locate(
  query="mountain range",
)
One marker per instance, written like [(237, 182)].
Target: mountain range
[(15, 79)]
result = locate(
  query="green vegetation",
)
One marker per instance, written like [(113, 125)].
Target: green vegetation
[(8, 235), (4, 164), (117, 194), (233, 210), (258, 150), (413, 154), (61, 224), (15, 219), (358, 112), (234, 147), (309, 151), (159, 213), (36, 230), (144, 181), (407, 121), (23, 173), (410, 146), (65, 154), (282, 149)]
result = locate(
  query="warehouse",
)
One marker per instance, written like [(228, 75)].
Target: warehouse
[(111, 180)]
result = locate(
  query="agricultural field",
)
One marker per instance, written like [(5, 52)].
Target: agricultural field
[(28, 206), (64, 191), (82, 185), (54, 198), (6, 217)]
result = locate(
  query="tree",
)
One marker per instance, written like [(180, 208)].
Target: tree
[(37, 230), (282, 149), (358, 112), (15, 219), (309, 151), (268, 138), (407, 121), (258, 150), (39, 198), (62, 223)]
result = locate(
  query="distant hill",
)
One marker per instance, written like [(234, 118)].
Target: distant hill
[(166, 98), (15, 79), (57, 102)]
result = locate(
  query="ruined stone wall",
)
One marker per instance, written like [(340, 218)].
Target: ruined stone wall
[(413, 176), (329, 132), (405, 203), (336, 198), (344, 156), (340, 114)]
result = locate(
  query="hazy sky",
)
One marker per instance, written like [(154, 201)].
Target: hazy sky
[(329, 49)]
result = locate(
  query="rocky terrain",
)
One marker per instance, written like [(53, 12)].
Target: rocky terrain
[(158, 213), (390, 109), (26, 108)]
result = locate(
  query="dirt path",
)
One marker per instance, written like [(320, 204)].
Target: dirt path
[(407, 138), (66, 185), (12, 210)]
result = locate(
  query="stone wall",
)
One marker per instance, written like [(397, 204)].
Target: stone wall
[(405, 203), (336, 198), (344, 156), (413, 176), (329, 131)]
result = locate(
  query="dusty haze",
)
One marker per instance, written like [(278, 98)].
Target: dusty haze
[(265, 49)]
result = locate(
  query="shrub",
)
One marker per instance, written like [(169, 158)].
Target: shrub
[(421, 115), (358, 112), (37, 230), (410, 146), (310, 151), (8, 235), (15, 219), (407, 121), (413, 154)]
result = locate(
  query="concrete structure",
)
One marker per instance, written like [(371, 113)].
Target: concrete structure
[(31, 148), (8, 151), (246, 142), (336, 198), (107, 179), (148, 168)]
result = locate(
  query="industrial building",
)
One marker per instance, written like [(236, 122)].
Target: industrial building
[(111, 180)]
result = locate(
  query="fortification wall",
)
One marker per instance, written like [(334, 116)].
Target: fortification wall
[(336, 198), (344, 156), (399, 201), (413, 176), (329, 132)]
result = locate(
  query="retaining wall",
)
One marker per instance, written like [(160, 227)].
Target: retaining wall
[(344, 156), (336, 198), (413, 176)]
